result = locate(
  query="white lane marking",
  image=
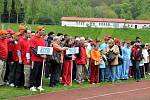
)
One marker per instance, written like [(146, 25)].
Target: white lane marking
[(121, 92)]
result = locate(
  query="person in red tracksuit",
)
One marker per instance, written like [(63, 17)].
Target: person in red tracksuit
[(37, 60), (67, 65), (3, 54), (10, 49), (23, 44), (16, 77)]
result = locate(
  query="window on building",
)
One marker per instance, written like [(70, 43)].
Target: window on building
[(99, 24), (93, 23)]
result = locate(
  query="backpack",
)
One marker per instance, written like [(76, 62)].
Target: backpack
[(111, 56)]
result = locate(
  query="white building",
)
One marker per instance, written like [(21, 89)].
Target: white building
[(104, 22)]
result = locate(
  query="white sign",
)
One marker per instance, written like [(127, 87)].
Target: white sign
[(74, 50), (45, 50)]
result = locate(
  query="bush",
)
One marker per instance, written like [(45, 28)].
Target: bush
[(45, 21)]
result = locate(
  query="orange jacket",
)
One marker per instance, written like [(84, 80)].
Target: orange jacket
[(96, 55)]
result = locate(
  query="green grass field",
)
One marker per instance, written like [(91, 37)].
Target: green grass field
[(124, 34)]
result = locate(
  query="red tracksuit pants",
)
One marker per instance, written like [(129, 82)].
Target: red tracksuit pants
[(67, 72), (94, 73)]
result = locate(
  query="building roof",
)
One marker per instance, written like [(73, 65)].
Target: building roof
[(93, 19), (105, 20), (138, 21)]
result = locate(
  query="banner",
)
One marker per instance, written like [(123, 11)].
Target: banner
[(74, 50), (45, 50)]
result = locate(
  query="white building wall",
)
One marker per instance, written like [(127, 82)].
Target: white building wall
[(104, 24), (138, 26)]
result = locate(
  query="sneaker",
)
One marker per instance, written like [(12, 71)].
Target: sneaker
[(7, 83), (12, 85), (40, 88), (33, 89), (65, 85)]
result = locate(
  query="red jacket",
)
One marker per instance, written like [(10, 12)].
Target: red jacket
[(3, 49), (15, 48), (81, 58), (35, 42), (23, 45), (136, 53)]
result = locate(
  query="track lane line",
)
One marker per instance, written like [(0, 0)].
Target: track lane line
[(121, 92)]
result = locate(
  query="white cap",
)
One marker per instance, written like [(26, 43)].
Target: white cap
[(77, 39), (82, 38), (56, 38)]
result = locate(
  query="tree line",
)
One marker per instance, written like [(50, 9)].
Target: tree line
[(51, 11)]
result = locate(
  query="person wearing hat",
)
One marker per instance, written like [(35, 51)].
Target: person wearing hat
[(16, 70), (23, 45), (136, 57), (36, 59), (3, 55), (22, 29), (10, 49)]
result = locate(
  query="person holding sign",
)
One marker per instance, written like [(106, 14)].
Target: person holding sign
[(37, 60), (96, 58), (67, 65), (56, 63)]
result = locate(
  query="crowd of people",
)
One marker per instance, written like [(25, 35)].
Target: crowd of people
[(97, 61)]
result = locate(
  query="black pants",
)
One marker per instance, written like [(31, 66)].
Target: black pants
[(36, 72), (55, 75), (7, 72), (74, 71), (19, 76), (47, 69), (142, 71), (16, 75), (12, 72), (147, 69)]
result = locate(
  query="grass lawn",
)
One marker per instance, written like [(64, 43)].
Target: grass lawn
[(124, 34), (9, 92)]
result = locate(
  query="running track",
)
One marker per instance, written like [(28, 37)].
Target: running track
[(127, 91)]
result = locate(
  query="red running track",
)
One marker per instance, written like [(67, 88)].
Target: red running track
[(126, 91)]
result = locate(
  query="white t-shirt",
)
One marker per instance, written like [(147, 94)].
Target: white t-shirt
[(145, 55)]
